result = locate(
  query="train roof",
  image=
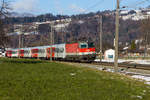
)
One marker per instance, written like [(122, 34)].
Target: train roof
[(39, 47)]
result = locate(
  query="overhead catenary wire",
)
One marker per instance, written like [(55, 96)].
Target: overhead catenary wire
[(123, 7), (88, 9), (95, 5), (135, 5)]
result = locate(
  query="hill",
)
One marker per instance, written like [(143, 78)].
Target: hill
[(80, 27)]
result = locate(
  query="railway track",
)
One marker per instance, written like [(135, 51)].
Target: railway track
[(136, 71), (125, 65), (122, 65)]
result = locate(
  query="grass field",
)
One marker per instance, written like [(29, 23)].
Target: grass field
[(43, 80)]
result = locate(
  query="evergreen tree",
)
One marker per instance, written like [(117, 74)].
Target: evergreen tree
[(133, 45)]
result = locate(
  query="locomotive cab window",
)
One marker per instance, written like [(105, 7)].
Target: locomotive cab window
[(83, 45), (91, 45)]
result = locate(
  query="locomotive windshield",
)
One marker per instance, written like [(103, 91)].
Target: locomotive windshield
[(83, 45), (91, 45)]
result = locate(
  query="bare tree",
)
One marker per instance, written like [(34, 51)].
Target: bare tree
[(145, 29), (4, 8), (4, 11)]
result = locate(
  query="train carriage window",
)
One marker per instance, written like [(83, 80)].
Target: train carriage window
[(26, 51), (61, 50), (53, 50), (21, 51), (41, 51), (34, 51), (58, 50), (48, 50), (14, 52), (9, 52)]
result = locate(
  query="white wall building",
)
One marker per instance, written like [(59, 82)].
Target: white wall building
[(109, 54)]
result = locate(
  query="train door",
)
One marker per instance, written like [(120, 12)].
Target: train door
[(26, 53), (21, 53), (60, 52), (9, 53), (34, 53), (50, 52), (15, 53)]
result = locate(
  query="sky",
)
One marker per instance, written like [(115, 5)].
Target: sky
[(70, 7)]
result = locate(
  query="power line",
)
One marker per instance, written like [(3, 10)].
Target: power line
[(136, 4), (95, 5)]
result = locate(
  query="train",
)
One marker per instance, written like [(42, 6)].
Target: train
[(2, 52), (81, 51)]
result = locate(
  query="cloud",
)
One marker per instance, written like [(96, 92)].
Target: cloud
[(77, 8), (25, 5)]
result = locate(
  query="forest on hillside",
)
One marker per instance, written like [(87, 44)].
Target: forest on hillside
[(83, 27)]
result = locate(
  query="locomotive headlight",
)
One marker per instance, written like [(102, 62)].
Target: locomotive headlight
[(88, 50)]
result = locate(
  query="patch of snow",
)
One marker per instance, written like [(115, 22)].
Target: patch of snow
[(110, 60), (124, 12), (125, 48), (110, 70), (144, 91), (99, 68), (133, 74), (140, 97), (80, 22), (72, 74), (147, 82), (147, 79), (147, 62)]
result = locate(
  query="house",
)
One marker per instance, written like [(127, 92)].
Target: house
[(109, 54)]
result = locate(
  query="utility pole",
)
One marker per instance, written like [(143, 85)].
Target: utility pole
[(116, 38), (22, 41), (20, 33), (101, 33), (62, 31), (53, 36), (51, 42), (19, 46), (22, 38), (145, 49)]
